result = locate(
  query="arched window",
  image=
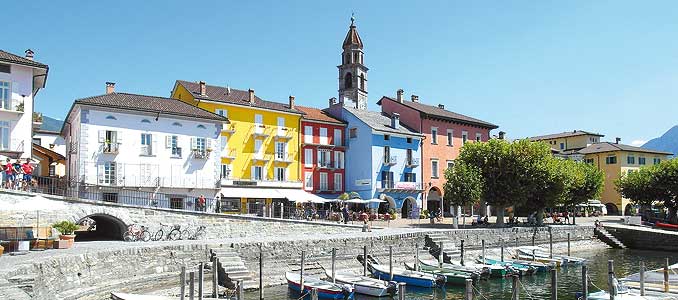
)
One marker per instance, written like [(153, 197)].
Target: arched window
[(348, 80), (347, 60), (145, 121), (109, 117), (362, 82), (177, 124), (355, 57), (202, 126)]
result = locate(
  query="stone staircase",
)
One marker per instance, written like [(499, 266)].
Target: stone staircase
[(608, 238), (234, 267), (432, 245)]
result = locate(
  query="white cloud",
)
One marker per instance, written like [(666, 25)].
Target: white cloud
[(638, 143)]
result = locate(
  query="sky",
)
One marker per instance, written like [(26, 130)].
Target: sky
[(531, 67)]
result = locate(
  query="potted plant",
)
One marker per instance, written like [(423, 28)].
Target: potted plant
[(67, 229)]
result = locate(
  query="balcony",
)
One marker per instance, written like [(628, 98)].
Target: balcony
[(268, 182), (201, 153), (176, 152), (400, 187), (390, 160), (259, 157), (12, 105), (110, 148), (14, 145), (37, 120), (73, 148), (259, 131), (146, 150), (325, 164), (228, 153), (412, 162), (230, 129), (283, 133)]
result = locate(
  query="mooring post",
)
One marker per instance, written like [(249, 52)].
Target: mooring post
[(416, 257), (462, 253), (554, 284), (666, 275), (642, 278), (261, 273), (502, 250), (516, 242), (201, 279), (483, 252), (191, 286), (215, 276), (550, 243), (468, 295), (241, 290), (515, 290), (365, 258), (584, 283), (301, 272), (334, 260), (401, 291), (314, 294), (610, 279), (535, 233), (440, 255), (182, 283), (568, 244), (390, 262), (534, 258)]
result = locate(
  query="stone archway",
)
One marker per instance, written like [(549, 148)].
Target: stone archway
[(408, 205), (628, 209), (105, 228), (384, 207), (612, 209), (433, 199)]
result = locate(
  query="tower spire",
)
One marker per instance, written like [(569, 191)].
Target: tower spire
[(352, 71)]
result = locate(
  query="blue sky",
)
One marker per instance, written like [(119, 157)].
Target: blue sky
[(532, 67)]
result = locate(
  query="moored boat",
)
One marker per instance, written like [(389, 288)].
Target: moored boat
[(516, 267), (411, 278), (451, 277), (474, 272), (365, 285), (540, 253), (496, 271), (326, 290)]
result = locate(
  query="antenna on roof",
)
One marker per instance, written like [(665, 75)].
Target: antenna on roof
[(228, 89)]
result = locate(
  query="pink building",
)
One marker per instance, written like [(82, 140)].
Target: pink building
[(444, 134)]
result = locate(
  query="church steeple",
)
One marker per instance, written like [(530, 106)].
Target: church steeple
[(352, 71)]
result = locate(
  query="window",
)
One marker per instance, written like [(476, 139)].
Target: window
[(338, 159), (656, 161), (308, 181), (201, 126), (323, 182), (225, 170), (258, 119), (337, 137), (464, 137), (221, 112), (434, 135), (146, 144), (323, 136), (172, 142), (338, 182), (280, 174), (434, 168), (109, 140), (588, 160), (52, 170), (5, 96), (281, 151), (387, 154), (386, 180), (348, 80), (308, 134), (177, 124), (450, 137), (257, 149), (109, 117), (257, 173), (409, 140), (641, 160), (308, 158), (410, 177), (177, 203), (630, 159), (353, 133), (324, 158), (107, 172), (199, 144), (562, 146), (450, 164), (109, 197), (479, 137), (611, 160), (4, 68), (409, 157), (146, 121), (387, 137)]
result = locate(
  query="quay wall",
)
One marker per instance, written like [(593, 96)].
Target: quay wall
[(644, 238)]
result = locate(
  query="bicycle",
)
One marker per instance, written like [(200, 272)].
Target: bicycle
[(189, 234), (136, 233), (174, 233)]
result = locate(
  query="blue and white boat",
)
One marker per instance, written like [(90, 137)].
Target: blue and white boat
[(365, 285), (326, 290)]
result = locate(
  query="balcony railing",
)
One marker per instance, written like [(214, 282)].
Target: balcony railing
[(146, 150), (110, 148), (259, 131), (401, 186), (228, 129), (412, 162), (325, 164), (73, 147), (283, 157), (283, 133), (201, 154), (14, 105), (176, 152), (390, 160), (15, 145), (228, 153)]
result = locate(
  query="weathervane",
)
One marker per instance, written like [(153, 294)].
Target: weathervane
[(352, 18)]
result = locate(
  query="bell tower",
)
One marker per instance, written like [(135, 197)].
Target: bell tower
[(352, 71)]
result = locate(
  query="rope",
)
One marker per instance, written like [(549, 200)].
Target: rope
[(304, 295), (478, 292), (525, 289), (593, 284)]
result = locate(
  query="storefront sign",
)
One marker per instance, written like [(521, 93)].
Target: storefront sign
[(363, 182), (245, 183), (402, 185)]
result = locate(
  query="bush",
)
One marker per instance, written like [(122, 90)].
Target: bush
[(65, 227), (424, 214)]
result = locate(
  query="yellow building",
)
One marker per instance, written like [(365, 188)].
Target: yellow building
[(616, 160), (260, 148), (568, 143)]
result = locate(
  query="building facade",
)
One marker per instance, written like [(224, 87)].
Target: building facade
[(444, 132), (323, 159), (567, 144), (20, 80), (617, 160), (260, 148), (118, 141)]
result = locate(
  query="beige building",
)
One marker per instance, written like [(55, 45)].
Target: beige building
[(567, 144)]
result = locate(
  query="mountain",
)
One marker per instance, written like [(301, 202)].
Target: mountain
[(51, 124), (667, 142)]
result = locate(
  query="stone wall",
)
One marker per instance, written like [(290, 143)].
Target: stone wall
[(644, 238)]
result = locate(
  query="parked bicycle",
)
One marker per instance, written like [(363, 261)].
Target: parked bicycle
[(193, 233), (136, 233), (167, 232)]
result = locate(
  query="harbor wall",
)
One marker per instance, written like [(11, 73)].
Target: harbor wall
[(644, 238)]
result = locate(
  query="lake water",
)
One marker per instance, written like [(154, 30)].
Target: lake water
[(535, 287)]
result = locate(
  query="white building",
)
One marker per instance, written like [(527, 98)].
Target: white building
[(20, 80), (126, 147)]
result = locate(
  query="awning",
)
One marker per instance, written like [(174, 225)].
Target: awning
[(238, 192), (300, 196)]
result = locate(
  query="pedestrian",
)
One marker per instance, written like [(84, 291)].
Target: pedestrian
[(217, 206), (9, 174), (27, 169), (566, 216), (201, 202), (344, 213)]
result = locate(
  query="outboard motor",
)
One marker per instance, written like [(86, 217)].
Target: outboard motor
[(392, 288), (346, 290), (441, 280)]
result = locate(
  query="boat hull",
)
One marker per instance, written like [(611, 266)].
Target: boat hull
[(413, 281), (451, 277), (322, 293)]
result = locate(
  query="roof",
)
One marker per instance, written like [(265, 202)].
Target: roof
[(379, 121), (50, 125), (233, 96), (438, 112), (150, 104), (48, 152), (610, 147), (316, 114), (19, 60), (564, 135), (352, 37)]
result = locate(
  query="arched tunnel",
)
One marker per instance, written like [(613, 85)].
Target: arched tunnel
[(100, 227)]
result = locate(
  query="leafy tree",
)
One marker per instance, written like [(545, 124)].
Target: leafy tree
[(463, 185), (551, 179), (586, 183), (655, 184)]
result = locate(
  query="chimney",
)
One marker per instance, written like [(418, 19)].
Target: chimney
[(203, 89), (395, 120), (441, 106), (29, 54), (228, 90), (400, 95), (415, 98), (251, 96), (110, 87), (332, 101), (617, 140), (501, 135), (291, 102)]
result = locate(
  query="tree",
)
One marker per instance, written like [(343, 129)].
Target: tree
[(463, 186), (587, 183), (551, 179), (656, 184)]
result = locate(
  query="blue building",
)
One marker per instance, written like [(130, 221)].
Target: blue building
[(382, 158)]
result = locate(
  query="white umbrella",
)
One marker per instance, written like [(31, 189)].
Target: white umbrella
[(358, 201), (375, 200)]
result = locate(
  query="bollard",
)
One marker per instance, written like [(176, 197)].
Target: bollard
[(533, 257), (515, 290), (334, 259), (502, 250), (462, 253), (666, 275), (314, 294), (554, 284), (584, 283), (568, 244), (642, 278), (550, 243), (241, 291), (533, 237), (610, 279), (516, 242), (261, 273), (416, 257), (483, 246), (390, 262), (182, 283), (365, 257), (301, 272), (282, 210), (469, 290), (215, 277), (440, 256), (401, 291), (191, 285), (201, 278)]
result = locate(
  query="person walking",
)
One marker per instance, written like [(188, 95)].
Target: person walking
[(9, 174), (27, 169), (201, 202), (344, 213), (566, 216)]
